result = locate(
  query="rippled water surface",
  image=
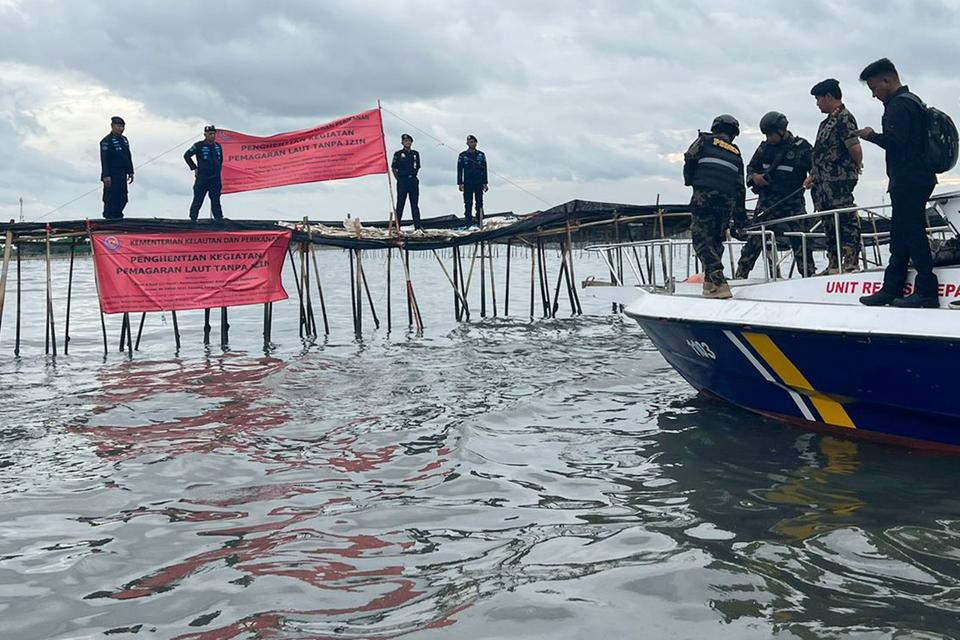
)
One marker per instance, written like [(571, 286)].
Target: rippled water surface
[(494, 479)]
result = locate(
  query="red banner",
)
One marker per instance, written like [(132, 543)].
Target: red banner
[(347, 148), (180, 271)]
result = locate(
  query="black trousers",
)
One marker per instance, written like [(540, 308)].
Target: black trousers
[(115, 197), (471, 193), (908, 242), (201, 187), (409, 188)]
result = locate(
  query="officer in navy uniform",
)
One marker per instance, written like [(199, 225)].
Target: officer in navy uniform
[(472, 179), (713, 166), (406, 166), (116, 169), (209, 155), (777, 171)]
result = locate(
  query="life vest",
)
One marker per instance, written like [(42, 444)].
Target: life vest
[(719, 166)]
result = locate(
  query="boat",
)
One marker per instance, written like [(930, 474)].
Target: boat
[(805, 351)]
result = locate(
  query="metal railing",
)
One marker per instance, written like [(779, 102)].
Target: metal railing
[(648, 255)]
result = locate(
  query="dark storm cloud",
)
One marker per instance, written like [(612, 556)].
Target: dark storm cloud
[(559, 93)]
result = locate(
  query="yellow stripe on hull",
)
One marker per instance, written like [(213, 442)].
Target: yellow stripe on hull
[(830, 410)]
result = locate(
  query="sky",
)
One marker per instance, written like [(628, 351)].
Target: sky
[(589, 100)]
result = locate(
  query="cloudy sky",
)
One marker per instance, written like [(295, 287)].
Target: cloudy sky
[(591, 100)]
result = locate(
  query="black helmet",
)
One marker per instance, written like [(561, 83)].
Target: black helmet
[(725, 123), (773, 122)]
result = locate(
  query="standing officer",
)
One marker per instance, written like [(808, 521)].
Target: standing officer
[(776, 173), (209, 156), (713, 166), (837, 163), (910, 185), (406, 166), (472, 179), (116, 169)]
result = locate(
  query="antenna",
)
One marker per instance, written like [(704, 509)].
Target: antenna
[(21, 208)]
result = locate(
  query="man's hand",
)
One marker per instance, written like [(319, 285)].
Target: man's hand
[(759, 180), (461, 187), (130, 179), (486, 188), (107, 182), (736, 230), (865, 133), (808, 182)]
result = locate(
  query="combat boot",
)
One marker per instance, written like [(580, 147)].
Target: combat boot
[(717, 291)]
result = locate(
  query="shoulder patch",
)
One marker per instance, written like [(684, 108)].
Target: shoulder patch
[(723, 144)]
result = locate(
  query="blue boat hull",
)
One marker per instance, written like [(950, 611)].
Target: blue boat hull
[(889, 387)]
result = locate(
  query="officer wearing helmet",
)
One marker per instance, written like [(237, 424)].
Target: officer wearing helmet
[(777, 173), (713, 166)]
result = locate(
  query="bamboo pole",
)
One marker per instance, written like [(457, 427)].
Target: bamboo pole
[(129, 337), (456, 293), (143, 317), (66, 330), (224, 328), (206, 326), (463, 290), (359, 296), (353, 294), (296, 280), (305, 275), (366, 287), (96, 282), (534, 258), (458, 314), (571, 275), (176, 329), (483, 280), (389, 290), (406, 267), (16, 346), (506, 292), (323, 304), (493, 282), (7, 249), (50, 325)]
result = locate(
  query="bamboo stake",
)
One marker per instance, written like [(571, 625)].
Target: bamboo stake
[(544, 284), (353, 294), (571, 276), (96, 282), (456, 293), (296, 280), (7, 248), (176, 329), (463, 290), (129, 337), (359, 297), (224, 328), (323, 305), (206, 326), (406, 267), (50, 326), (483, 280), (366, 287), (506, 292), (66, 330), (305, 275), (143, 317), (534, 258), (16, 346), (389, 290), (493, 282)]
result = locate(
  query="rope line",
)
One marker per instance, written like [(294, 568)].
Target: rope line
[(84, 195), (445, 145)]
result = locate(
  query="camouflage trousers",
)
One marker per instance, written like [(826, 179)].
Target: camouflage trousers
[(754, 247), (838, 194), (711, 212)]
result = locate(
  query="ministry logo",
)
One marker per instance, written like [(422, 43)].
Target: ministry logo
[(111, 243)]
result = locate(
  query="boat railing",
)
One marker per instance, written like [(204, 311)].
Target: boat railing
[(654, 262)]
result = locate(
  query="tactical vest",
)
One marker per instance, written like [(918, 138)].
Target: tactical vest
[(719, 166), (789, 174)]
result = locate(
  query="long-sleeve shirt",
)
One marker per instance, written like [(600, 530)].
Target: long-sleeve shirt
[(115, 159), (904, 134), (472, 167), (406, 164), (209, 159)]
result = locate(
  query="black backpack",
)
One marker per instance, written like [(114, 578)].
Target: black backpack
[(940, 150)]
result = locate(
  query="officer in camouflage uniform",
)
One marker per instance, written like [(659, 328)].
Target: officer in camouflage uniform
[(713, 166), (776, 173), (837, 161)]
